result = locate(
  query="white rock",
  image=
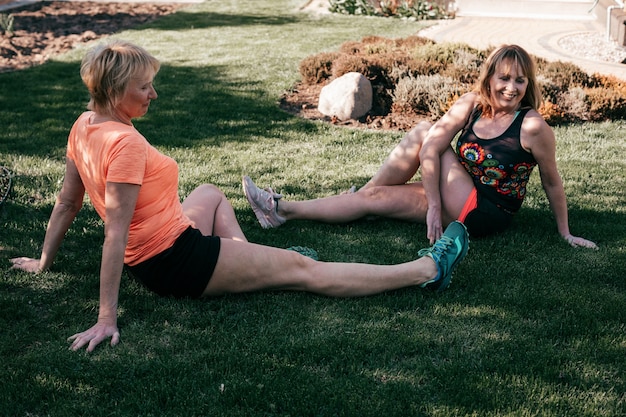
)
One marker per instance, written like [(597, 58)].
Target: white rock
[(346, 97)]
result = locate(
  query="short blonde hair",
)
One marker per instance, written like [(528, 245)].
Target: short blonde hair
[(514, 55), (108, 68)]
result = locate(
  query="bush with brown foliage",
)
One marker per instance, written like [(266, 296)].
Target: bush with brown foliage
[(318, 68), (417, 75)]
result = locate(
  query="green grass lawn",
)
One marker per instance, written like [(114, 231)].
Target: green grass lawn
[(529, 327)]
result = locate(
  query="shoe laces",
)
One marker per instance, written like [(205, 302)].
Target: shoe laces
[(270, 194), (438, 249)]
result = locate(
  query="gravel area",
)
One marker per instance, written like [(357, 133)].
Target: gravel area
[(594, 46)]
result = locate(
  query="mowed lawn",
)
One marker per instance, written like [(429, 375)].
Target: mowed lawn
[(529, 327)]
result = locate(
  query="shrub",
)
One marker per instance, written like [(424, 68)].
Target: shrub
[(417, 75), (422, 10), (609, 81), (465, 65), (420, 67), (606, 103), (430, 95), (406, 95), (574, 104), (551, 112), (381, 68), (352, 47), (317, 68), (356, 7), (412, 42), (441, 53), (563, 74), (350, 63), (549, 90)]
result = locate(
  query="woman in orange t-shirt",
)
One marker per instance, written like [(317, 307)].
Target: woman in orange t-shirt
[(194, 248)]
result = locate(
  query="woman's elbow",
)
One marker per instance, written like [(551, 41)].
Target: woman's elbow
[(69, 207)]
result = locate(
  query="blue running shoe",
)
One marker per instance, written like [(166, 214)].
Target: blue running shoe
[(447, 252)]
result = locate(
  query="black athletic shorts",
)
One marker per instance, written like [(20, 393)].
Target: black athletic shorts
[(184, 270), (487, 218)]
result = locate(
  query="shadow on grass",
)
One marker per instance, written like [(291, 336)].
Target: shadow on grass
[(195, 106), (506, 322)]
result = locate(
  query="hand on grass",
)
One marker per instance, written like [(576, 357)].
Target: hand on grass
[(579, 242), (26, 264), (93, 336)]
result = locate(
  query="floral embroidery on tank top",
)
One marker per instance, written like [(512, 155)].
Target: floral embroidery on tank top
[(489, 171), (499, 166)]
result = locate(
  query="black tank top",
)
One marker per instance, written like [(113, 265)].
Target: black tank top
[(499, 167)]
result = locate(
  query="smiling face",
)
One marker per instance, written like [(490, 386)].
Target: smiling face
[(137, 97), (507, 86), (507, 81)]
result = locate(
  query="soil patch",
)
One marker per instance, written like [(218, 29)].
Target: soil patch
[(44, 29)]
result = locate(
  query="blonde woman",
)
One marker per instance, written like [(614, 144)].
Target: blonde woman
[(195, 248)]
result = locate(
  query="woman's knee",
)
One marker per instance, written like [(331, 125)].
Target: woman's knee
[(375, 193), (200, 206), (418, 133), (206, 192), (209, 189)]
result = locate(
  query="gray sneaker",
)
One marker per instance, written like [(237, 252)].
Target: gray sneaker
[(263, 203)]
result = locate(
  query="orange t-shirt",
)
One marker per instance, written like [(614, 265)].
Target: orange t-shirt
[(115, 152)]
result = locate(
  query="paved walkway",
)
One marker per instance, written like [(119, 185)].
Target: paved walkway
[(539, 37)]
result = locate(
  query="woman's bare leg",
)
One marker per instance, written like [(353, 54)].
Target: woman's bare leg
[(247, 267), (212, 213), (455, 186), (402, 202), (387, 194)]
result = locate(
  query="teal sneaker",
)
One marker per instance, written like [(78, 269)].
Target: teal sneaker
[(303, 250), (447, 252)]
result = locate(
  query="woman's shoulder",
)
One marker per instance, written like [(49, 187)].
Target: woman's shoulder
[(535, 133), (472, 98), (534, 122), (83, 118), (464, 106)]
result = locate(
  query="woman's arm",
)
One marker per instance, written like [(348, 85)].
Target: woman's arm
[(67, 205), (435, 144), (538, 138), (120, 206)]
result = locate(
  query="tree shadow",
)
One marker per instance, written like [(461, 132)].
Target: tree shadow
[(195, 106)]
